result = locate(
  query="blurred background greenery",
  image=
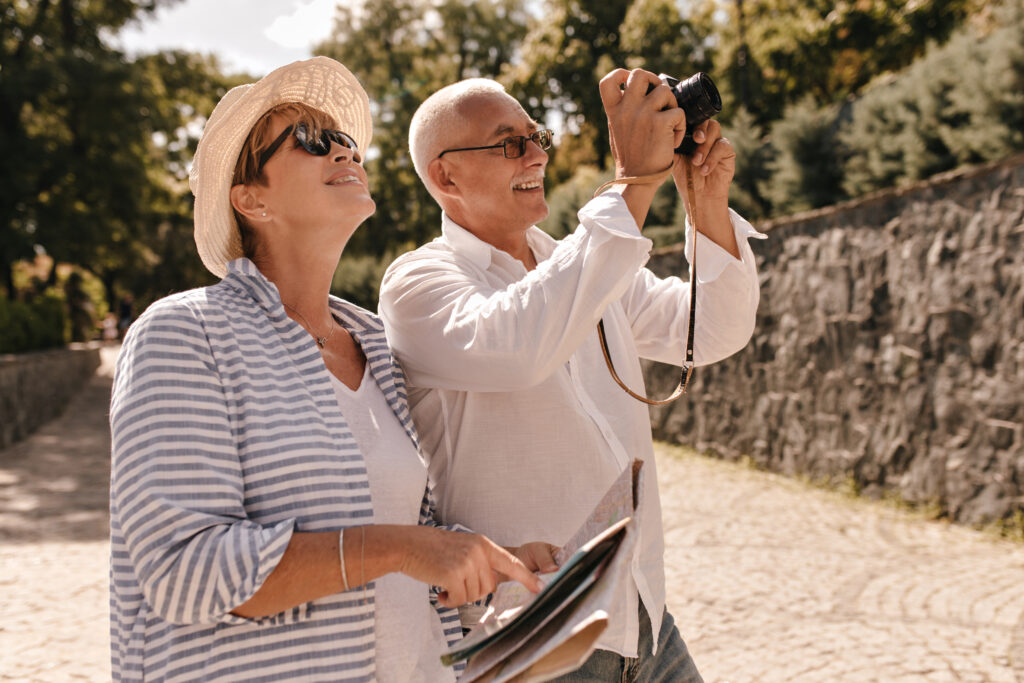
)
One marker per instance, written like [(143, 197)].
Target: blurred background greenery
[(824, 101)]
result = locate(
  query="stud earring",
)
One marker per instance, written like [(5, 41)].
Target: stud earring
[(264, 214)]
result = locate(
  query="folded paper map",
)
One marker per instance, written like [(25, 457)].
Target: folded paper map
[(527, 637)]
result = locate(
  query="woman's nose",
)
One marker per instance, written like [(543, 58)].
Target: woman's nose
[(343, 153)]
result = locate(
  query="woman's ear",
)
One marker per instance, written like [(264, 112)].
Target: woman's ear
[(247, 202), (440, 175)]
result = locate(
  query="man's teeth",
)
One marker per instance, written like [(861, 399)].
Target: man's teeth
[(344, 179), (531, 185)]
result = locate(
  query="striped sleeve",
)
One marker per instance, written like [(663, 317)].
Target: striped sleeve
[(176, 481)]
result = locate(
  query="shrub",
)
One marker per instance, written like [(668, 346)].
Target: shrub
[(565, 200), (961, 103), (805, 171), (357, 278), (25, 326), (752, 170)]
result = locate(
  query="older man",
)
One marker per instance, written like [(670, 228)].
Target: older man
[(495, 325)]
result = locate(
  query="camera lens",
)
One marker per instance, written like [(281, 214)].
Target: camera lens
[(699, 98)]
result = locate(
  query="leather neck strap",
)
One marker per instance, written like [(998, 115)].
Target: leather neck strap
[(688, 364)]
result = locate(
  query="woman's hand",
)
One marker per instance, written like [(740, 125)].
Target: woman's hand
[(466, 567)]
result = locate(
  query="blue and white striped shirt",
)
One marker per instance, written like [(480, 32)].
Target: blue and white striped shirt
[(227, 438)]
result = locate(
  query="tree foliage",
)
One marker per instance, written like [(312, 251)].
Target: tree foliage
[(806, 170), (95, 146), (575, 43), (962, 103), (773, 53), (402, 51), (823, 100)]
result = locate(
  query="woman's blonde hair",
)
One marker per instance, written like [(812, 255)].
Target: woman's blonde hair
[(247, 171)]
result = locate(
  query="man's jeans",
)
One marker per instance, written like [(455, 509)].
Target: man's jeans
[(672, 664)]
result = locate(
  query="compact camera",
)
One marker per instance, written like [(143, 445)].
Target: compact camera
[(698, 97)]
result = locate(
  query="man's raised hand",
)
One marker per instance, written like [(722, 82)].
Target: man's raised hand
[(644, 127)]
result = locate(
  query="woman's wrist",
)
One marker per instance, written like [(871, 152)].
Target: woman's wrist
[(375, 550)]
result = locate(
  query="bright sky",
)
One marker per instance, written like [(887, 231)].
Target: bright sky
[(254, 36)]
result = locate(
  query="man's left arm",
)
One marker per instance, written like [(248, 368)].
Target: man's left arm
[(728, 290), (710, 169)]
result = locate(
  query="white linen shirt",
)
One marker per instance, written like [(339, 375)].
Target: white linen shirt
[(516, 410)]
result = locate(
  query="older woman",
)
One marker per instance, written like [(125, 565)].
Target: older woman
[(271, 517)]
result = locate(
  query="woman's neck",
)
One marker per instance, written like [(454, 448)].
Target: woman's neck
[(304, 285)]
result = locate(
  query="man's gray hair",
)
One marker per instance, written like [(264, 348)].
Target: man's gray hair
[(441, 114)]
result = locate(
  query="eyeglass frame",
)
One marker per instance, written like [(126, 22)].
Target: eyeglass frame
[(327, 137), (520, 140)]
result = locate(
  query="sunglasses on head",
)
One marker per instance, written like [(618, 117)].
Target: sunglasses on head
[(319, 147), (513, 147)]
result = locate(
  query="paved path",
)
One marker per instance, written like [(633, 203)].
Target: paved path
[(769, 580), (773, 581)]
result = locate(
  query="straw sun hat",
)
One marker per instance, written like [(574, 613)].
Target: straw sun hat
[(321, 83)]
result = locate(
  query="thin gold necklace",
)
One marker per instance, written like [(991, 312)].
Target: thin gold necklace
[(321, 341)]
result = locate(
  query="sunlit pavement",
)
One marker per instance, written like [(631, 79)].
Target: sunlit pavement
[(768, 580)]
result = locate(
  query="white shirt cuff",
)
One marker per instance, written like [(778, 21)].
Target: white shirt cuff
[(712, 259), (610, 211)]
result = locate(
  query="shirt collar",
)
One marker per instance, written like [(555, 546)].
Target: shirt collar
[(482, 253)]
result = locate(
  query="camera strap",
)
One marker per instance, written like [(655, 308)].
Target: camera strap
[(688, 364)]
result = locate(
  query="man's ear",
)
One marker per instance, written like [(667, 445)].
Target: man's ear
[(440, 175), (248, 203)]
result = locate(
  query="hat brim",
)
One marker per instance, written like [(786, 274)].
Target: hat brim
[(321, 83)]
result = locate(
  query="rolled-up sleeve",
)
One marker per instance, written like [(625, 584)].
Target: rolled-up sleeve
[(728, 293), (453, 330), (176, 482)]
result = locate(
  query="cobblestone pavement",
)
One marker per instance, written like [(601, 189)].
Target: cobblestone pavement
[(769, 580)]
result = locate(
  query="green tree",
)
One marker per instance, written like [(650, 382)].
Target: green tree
[(402, 51), (656, 37), (62, 101), (773, 53), (806, 169), (962, 103), (752, 165), (96, 146), (569, 48)]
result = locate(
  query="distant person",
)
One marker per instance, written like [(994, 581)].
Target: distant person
[(81, 311), (126, 313), (271, 514), (495, 324), (108, 327)]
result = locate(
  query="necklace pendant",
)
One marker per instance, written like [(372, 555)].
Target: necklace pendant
[(322, 341)]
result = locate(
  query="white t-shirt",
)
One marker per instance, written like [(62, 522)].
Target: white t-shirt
[(409, 635)]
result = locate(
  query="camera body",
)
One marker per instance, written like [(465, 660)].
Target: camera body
[(698, 97)]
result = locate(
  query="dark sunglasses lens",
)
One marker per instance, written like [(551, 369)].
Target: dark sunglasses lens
[(543, 138), (302, 135), (319, 147), (341, 138)]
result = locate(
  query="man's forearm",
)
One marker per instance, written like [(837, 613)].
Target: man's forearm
[(713, 221), (638, 200)]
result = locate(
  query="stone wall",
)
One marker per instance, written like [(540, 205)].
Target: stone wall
[(35, 387), (889, 348)]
